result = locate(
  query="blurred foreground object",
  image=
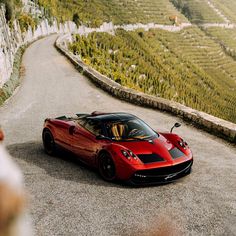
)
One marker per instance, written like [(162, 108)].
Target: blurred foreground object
[(13, 220), (168, 222), (1, 135)]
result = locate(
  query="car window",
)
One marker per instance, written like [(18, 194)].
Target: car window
[(81, 121), (129, 130), (94, 127)]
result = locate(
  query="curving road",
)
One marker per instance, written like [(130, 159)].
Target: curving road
[(69, 199)]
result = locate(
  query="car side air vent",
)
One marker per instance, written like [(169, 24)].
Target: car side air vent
[(176, 153), (150, 158)]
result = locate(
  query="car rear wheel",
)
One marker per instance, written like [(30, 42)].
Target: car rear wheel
[(106, 167), (48, 142)]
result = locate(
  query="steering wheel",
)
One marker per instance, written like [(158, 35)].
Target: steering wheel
[(134, 132)]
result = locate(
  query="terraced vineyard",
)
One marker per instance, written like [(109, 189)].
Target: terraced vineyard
[(198, 12), (195, 66), (194, 45), (187, 67), (227, 7), (225, 37), (94, 12)]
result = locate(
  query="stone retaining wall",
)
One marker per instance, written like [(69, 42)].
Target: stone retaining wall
[(214, 125)]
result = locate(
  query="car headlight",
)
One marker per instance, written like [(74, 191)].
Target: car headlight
[(183, 144), (126, 154), (129, 154)]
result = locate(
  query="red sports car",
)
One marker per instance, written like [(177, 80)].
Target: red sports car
[(121, 146)]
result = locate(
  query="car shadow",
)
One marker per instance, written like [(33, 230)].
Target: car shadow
[(64, 165)]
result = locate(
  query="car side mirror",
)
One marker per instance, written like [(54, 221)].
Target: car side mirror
[(176, 125), (71, 130)]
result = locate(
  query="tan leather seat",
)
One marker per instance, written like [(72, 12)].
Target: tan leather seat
[(118, 131)]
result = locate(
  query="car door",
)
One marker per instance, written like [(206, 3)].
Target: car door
[(85, 143), (62, 136)]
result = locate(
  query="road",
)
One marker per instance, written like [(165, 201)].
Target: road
[(67, 198)]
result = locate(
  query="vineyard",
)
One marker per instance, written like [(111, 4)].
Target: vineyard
[(225, 37), (94, 12), (197, 12), (196, 66), (176, 66), (227, 7)]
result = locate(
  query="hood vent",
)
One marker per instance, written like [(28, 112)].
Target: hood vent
[(150, 158), (176, 153)]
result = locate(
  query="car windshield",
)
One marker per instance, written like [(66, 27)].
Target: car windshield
[(129, 130)]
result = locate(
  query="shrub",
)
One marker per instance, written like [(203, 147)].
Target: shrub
[(25, 22)]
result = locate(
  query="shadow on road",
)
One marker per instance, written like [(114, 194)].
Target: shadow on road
[(66, 166)]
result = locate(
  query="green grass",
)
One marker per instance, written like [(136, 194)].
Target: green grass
[(176, 66)]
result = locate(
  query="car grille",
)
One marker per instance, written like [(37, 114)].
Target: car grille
[(176, 153), (161, 175), (150, 158), (165, 170)]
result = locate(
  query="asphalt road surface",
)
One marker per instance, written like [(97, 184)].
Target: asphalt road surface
[(67, 198)]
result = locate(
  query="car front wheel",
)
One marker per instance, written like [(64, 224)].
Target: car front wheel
[(106, 167)]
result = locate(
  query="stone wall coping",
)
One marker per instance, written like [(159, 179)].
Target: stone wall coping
[(214, 125)]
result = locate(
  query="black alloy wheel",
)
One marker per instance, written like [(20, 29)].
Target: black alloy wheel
[(106, 167), (48, 142)]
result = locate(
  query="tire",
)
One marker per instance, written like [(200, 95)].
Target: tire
[(106, 167), (48, 142)]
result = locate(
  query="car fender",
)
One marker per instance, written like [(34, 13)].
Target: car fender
[(124, 167), (50, 126), (176, 140)]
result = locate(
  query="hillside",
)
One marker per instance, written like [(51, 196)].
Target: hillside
[(198, 12), (94, 12), (227, 7), (195, 66), (175, 66)]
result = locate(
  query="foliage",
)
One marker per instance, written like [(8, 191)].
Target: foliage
[(197, 11), (25, 22), (171, 65), (227, 7), (194, 67), (76, 19), (95, 12), (12, 6), (9, 9)]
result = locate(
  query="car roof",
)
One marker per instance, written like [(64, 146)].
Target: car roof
[(110, 117)]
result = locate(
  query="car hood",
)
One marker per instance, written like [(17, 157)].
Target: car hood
[(155, 150)]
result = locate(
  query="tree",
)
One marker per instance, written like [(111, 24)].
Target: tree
[(76, 19), (9, 9)]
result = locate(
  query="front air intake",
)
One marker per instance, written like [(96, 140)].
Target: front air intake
[(150, 158), (176, 153)]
